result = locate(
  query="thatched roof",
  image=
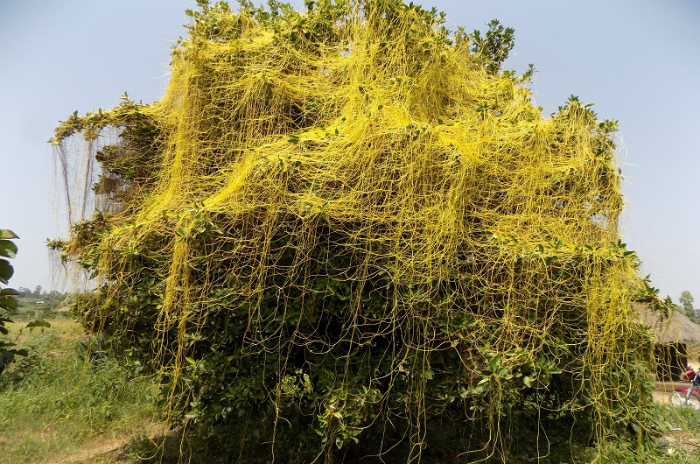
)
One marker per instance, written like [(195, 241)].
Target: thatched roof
[(672, 329)]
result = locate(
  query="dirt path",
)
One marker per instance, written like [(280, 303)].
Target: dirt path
[(95, 450), (113, 450)]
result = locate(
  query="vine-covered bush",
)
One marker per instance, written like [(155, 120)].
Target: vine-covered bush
[(348, 232)]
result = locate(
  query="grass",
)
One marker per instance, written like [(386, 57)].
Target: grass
[(60, 403), (678, 444)]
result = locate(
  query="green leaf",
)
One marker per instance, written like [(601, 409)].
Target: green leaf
[(7, 234), (9, 291), (7, 357), (21, 352), (8, 302), (3, 330), (8, 249), (37, 323), (6, 271)]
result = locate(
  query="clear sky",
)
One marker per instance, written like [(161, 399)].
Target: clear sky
[(637, 60)]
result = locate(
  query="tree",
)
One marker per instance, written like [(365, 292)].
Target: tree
[(686, 300), (350, 231), (37, 291), (24, 292)]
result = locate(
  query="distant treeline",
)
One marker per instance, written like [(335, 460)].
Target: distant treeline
[(39, 296)]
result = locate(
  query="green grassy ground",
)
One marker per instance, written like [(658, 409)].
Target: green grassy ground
[(62, 405)]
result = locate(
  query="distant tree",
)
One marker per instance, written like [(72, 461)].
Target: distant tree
[(687, 300), (24, 292), (37, 291)]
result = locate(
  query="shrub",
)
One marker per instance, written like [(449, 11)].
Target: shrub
[(349, 232)]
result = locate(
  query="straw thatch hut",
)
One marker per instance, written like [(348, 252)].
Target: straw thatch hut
[(672, 333)]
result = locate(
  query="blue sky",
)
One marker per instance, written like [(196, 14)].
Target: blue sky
[(637, 60)]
